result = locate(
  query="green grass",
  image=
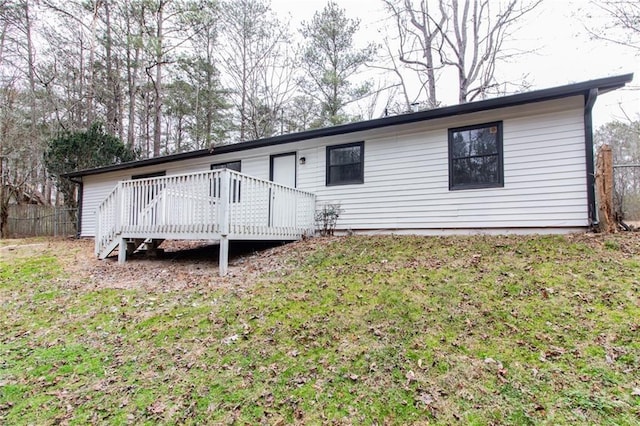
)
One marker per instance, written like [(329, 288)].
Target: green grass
[(359, 330)]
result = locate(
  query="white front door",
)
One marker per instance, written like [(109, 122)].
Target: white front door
[(281, 203), (283, 169)]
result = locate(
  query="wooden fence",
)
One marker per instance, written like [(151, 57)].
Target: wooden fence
[(32, 220)]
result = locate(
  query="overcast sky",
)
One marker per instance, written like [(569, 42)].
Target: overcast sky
[(564, 51)]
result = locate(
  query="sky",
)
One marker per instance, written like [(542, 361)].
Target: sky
[(564, 52)]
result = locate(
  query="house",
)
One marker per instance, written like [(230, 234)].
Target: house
[(516, 164)]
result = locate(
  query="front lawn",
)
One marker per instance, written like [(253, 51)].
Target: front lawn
[(351, 330)]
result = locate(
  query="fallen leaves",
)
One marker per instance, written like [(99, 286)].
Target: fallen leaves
[(337, 330), (229, 339), (553, 352), (425, 398), (157, 408)]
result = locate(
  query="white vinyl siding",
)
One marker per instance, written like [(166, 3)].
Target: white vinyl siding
[(406, 181)]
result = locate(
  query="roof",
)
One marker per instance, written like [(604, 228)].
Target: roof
[(602, 85)]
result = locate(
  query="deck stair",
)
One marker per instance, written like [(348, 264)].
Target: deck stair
[(215, 205)]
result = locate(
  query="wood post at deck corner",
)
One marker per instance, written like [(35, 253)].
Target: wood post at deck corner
[(122, 251), (604, 189), (223, 262)]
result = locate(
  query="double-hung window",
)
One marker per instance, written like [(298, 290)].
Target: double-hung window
[(475, 156), (231, 165), (345, 164), (235, 184)]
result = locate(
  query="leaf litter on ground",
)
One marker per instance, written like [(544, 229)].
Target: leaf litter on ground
[(386, 329)]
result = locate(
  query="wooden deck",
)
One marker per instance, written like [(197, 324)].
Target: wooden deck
[(215, 205)]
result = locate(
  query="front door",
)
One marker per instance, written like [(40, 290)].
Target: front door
[(283, 169)]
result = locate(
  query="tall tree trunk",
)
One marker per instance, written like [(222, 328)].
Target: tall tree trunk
[(209, 112), (31, 74), (132, 82), (157, 106), (119, 99), (91, 89), (112, 87), (4, 196), (243, 101)]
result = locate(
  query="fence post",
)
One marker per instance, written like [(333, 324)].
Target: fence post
[(223, 262), (604, 189)]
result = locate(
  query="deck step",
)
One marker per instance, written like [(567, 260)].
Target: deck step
[(109, 248)]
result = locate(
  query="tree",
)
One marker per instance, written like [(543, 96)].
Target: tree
[(623, 27), (21, 110), (624, 139), (209, 123), (330, 62), (18, 164), (257, 66), (79, 150), (417, 42), (466, 37)]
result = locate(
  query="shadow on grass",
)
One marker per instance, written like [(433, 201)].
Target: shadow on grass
[(184, 252)]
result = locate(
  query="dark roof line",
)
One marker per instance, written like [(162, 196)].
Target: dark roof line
[(603, 85)]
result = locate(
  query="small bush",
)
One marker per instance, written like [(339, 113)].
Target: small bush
[(327, 218)]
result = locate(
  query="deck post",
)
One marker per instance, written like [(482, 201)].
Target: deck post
[(119, 207), (223, 263), (99, 233), (122, 251)]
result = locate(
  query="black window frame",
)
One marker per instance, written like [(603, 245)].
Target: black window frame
[(499, 147), (359, 180), (161, 173), (235, 189), (225, 165)]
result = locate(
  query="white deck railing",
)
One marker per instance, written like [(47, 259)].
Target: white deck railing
[(205, 205)]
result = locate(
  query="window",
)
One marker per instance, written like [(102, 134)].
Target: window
[(149, 175), (345, 164), (235, 184), (475, 156), (231, 165)]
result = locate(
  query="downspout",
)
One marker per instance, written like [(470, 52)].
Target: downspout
[(590, 100)]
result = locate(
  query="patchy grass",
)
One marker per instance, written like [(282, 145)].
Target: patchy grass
[(356, 330)]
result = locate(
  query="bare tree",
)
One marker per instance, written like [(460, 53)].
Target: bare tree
[(624, 139), (417, 42), (130, 40), (623, 26), (255, 59), (159, 54), (203, 97), (465, 36), (20, 139), (477, 41)]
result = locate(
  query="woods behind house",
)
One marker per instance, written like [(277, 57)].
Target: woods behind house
[(142, 78)]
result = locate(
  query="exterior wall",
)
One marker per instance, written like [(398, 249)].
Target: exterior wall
[(406, 183)]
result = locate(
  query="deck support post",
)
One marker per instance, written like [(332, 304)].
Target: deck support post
[(122, 251), (223, 263)]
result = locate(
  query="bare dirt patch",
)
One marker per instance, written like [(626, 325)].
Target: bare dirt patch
[(186, 265), (183, 265)]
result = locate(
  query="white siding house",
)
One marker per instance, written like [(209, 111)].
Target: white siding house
[(541, 180)]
